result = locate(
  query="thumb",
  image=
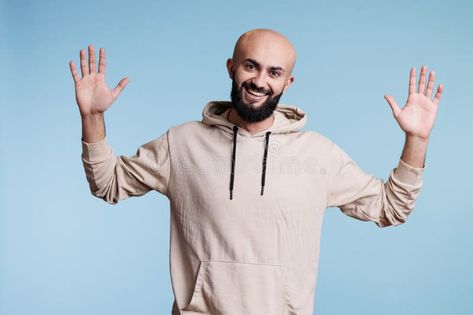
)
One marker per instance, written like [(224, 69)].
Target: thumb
[(120, 87), (392, 103)]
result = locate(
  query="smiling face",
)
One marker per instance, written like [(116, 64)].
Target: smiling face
[(261, 71)]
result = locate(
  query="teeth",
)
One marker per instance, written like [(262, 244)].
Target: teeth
[(252, 92)]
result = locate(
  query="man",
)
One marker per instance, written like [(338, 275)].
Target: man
[(247, 186)]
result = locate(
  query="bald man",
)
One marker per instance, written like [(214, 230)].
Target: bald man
[(247, 185)]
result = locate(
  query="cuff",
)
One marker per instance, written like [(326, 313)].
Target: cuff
[(96, 151), (408, 174)]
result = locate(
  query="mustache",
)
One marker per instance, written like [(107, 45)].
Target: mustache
[(250, 85)]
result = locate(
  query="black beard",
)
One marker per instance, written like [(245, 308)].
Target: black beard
[(248, 112)]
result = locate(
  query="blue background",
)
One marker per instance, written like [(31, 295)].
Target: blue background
[(62, 251)]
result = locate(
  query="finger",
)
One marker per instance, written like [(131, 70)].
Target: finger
[(91, 59), (75, 76), (392, 103), (438, 94), (119, 88), (430, 85), (422, 80), (83, 64), (102, 60), (412, 81)]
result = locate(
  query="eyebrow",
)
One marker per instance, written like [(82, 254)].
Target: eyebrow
[(273, 68)]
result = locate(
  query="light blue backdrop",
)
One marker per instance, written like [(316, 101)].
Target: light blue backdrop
[(62, 251)]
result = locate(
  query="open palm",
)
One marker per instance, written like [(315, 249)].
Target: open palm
[(417, 117), (92, 93)]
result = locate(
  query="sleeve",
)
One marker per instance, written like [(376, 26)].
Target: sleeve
[(113, 178), (364, 197)]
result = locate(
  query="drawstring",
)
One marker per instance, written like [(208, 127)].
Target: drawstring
[(232, 176), (263, 173)]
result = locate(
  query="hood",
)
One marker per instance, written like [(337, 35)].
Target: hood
[(287, 118)]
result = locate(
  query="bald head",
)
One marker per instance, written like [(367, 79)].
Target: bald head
[(274, 46)]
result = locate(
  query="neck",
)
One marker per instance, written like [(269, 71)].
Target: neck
[(251, 127)]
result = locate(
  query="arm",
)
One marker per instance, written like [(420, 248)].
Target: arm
[(113, 178), (367, 198)]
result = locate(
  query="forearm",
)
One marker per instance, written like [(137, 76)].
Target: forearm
[(93, 128), (414, 151)]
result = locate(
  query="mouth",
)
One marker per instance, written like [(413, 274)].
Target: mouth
[(254, 95)]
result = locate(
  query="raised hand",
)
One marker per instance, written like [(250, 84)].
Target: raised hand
[(92, 93), (417, 117)]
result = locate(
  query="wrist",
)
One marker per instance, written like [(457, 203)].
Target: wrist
[(416, 139), (91, 116), (414, 151), (93, 127)]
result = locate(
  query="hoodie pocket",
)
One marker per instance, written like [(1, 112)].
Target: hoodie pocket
[(227, 287)]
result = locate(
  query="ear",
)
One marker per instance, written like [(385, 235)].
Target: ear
[(230, 67), (289, 81)]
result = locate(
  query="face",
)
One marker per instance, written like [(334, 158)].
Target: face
[(260, 73), (248, 111)]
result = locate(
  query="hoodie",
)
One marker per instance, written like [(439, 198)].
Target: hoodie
[(247, 209)]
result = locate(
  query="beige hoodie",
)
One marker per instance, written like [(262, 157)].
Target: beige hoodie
[(248, 243)]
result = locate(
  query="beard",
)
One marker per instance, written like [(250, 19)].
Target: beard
[(249, 112)]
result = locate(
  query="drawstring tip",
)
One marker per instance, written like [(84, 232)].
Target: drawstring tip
[(231, 194), (262, 190)]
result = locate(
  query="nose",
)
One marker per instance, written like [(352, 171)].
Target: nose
[(260, 80)]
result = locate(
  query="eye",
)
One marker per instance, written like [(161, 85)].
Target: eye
[(250, 66), (275, 73)]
